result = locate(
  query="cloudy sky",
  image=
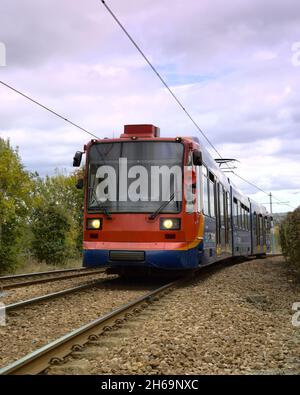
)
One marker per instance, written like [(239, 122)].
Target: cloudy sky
[(234, 65)]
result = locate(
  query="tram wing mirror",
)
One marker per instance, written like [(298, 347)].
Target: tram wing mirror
[(77, 159), (197, 158), (80, 183)]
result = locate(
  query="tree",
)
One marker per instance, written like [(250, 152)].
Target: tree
[(57, 196), (15, 204), (50, 227)]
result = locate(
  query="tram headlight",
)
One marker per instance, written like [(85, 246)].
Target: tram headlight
[(170, 223), (93, 223)]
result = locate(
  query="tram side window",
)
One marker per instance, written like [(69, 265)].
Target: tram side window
[(235, 212), (268, 225), (258, 229), (264, 229), (247, 218), (205, 191), (260, 225), (242, 216), (238, 214), (221, 194), (229, 210), (212, 195), (225, 209), (241, 212)]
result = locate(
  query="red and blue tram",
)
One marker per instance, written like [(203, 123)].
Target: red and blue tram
[(163, 203)]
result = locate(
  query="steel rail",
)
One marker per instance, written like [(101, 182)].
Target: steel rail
[(37, 361), (50, 296), (49, 279), (34, 274)]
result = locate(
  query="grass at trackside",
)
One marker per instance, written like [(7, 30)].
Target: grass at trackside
[(31, 265)]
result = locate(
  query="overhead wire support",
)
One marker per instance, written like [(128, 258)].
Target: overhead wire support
[(260, 189), (48, 109)]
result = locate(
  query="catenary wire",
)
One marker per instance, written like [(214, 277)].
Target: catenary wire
[(171, 92), (47, 108)]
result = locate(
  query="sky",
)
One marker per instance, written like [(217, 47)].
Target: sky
[(235, 66)]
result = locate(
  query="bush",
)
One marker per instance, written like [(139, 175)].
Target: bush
[(10, 245), (38, 216), (290, 239), (60, 191), (50, 229)]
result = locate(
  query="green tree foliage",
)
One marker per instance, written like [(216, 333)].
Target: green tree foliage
[(56, 197), (290, 239), (39, 216), (15, 205), (50, 229)]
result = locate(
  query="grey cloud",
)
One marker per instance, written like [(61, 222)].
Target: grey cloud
[(74, 58)]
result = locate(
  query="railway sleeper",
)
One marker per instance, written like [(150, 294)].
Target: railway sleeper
[(90, 353), (74, 367)]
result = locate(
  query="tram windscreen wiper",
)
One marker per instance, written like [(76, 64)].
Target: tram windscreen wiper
[(161, 207), (100, 205)]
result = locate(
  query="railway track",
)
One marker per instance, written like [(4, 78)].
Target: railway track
[(38, 361), (8, 282), (51, 296), (90, 334)]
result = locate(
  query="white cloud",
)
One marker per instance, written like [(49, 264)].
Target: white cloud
[(230, 65)]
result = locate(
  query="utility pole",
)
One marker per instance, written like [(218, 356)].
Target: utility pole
[(271, 208)]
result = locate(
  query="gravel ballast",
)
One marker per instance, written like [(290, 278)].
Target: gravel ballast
[(17, 294), (236, 320), (34, 326)]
